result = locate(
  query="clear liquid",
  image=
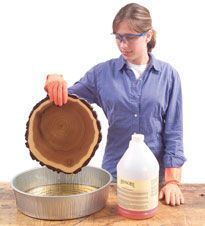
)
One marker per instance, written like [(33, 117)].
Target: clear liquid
[(60, 189)]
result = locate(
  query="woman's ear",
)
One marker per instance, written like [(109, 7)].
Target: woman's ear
[(149, 35)]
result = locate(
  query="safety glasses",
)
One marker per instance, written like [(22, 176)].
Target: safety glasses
[(127, 37)]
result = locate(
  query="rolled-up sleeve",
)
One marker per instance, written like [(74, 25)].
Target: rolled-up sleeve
[(173, 131), (86, 87)]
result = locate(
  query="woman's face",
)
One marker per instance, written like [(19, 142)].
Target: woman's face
[(133, 49)]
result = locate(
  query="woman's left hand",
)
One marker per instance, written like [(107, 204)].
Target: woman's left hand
[(172, 194)]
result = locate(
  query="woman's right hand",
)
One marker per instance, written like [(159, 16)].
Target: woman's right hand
[(56, 88)]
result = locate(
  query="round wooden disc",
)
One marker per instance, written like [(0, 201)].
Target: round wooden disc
[(63, 138)]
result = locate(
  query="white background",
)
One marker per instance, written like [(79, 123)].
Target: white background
[(69, 37)]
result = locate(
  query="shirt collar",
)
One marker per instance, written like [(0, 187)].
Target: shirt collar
[(152, 63), (120, 62)]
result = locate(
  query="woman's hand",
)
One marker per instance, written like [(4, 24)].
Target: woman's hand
[(56, 87), (172, 194)]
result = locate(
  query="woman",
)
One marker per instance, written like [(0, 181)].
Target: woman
[(138, 94)]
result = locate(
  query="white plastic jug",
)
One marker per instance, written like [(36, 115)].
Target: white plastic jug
[(138, 180)]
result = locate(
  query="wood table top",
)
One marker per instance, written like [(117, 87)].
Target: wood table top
[(190, 213)]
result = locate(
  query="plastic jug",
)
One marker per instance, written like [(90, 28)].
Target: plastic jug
[(137, 181)]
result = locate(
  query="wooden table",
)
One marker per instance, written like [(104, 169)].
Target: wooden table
[(191, 213)]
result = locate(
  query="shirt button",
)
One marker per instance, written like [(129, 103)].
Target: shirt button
[(135, 115)]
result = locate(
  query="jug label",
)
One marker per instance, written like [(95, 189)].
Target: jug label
[(138, 195)]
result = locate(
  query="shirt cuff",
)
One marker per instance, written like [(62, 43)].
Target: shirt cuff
[(173, 161)]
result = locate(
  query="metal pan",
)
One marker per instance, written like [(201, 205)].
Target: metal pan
[(45, 194)]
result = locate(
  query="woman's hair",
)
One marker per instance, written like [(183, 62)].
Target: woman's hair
[(138, 18)]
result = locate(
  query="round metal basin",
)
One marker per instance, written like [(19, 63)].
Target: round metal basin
[(45, 194)]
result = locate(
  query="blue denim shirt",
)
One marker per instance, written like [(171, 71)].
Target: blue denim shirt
[(151, 105)]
